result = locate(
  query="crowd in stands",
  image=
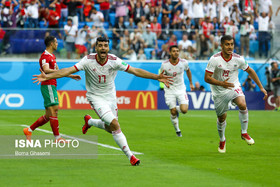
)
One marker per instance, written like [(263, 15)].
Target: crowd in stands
[(145, 29)]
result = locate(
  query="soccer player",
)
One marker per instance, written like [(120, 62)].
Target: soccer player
[(48, 89), (222, 73), (100, 70), (175, 68)]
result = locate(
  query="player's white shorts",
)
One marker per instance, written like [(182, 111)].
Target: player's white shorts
[(171, 98), (105, 108), (221, 102)]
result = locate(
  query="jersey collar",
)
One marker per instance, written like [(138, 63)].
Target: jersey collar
[(225, 59), (99, 62), (175, 63)]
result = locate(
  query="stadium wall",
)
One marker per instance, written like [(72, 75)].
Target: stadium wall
[(18, 91)]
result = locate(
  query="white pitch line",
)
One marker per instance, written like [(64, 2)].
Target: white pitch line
[(84, 140)]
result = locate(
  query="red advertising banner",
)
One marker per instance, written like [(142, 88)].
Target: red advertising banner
[(143, 100), (270, 102)]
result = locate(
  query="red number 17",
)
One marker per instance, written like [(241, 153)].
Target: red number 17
[(100, 78)]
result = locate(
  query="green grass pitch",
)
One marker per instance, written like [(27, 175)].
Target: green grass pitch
[(168, 160)]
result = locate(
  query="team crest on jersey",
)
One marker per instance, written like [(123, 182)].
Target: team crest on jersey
[(94, 69)]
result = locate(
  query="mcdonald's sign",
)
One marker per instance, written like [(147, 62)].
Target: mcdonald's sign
[(61, 96), (145, 97)]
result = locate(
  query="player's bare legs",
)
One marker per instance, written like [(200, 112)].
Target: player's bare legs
[(221, 127), (244, 118)]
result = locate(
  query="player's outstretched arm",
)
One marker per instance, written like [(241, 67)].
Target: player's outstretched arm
[(255, 77), (209, 79), (167, 80), (189, 74), (55, 75)]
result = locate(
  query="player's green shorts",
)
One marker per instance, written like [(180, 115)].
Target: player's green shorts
[(50, 95)]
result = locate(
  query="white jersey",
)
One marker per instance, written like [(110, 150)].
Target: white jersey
[(177, 72), (223, 69), (100, 79)]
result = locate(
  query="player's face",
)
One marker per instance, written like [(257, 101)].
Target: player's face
[(102, 49), (54, 44), (227, 47), (174, 53)]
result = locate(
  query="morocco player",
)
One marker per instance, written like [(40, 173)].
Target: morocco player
[(176, 67), (48, 90), (101, 70), (222, 73)]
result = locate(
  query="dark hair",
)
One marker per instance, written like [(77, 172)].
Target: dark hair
[(102, 39), (173, 46), (49, 40), (69, 19), (226, 37)]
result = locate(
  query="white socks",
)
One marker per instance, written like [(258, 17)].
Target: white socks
[(122, 143), (244, 118), (221, 130), (175, 122), (97, 123)]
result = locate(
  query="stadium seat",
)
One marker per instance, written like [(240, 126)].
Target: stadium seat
[(126, 23), (112, 17), (254, 46), (178, 34), (109, 34), (237, 39), (97, 6), (106, 25), (42, 24), (160, 43), (147, 52)]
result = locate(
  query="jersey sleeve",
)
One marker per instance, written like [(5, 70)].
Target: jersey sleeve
[(121, 65), (45, 60), (243, 64), (81, 64), (186, 65), (210, 66)]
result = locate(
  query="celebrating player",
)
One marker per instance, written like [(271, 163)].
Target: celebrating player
[(175, 67), (101, 70), (48, 89), (222, 73)]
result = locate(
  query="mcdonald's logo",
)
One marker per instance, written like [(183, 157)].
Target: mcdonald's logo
[(61, 99), (144, 97)]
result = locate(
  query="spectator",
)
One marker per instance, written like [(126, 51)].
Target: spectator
[(124, 43), (130, 55), (118, 30), (211, 9), (141, 55), (197, 11), (198, 87), (184, 15), (207, 27), (64, 10), (143, 23), (98, 20), (156, 27), (172, 41), (121, 8), (249, 84), (33, 13), (165, 26), (231, 29), (81, 40), (264, 35), (204, 48), (153, 55), (70, 37), (88, 5), (136, 40), (93, 34), (164, 53), (185, 43), (236, 14), (52, 18), (72, 10), (177, 21), (224, 11), (187, 4), (105, 8), (130, 25), (265, 6), (216, 26), (245, 31), (138, 12), (152, 14), (275, 80), (166, 9), (21, 17), (150, 38)]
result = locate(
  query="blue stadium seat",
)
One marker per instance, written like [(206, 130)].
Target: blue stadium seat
[(147, 52), (112, 18), (97, 6), (160, 43), (109, 34), (42, 24), (126, 23), (178, 34), (60, 44), (106, 25), (254, 46), (159, 18)]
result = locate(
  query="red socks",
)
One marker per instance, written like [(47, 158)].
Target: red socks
[(40, 121), (54, 125)]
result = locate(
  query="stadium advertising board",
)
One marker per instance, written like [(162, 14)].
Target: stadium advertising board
[(125, 100), (203, 101), (270, 102)]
